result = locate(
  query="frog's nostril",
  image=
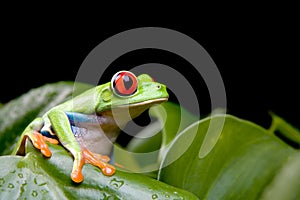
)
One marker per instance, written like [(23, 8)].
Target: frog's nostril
[(158, 87)]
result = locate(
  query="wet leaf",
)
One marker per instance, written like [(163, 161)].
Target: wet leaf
[(35, 176)]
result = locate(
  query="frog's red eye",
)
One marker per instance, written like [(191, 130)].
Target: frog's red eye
[(124, 83)]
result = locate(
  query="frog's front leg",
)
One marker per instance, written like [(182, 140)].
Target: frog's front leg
[(62, 127)]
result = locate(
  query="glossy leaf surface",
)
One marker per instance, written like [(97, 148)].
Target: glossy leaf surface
[(241, 165)]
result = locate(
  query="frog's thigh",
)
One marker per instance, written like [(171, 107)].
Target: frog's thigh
[(62, 128)]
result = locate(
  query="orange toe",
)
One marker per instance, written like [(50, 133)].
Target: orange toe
[(101, 157), (77, 176), (108, 170), (40, 143), (50, 140)]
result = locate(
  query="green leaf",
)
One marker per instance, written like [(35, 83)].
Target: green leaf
[(145, 149), (286, 183), (34, 176), (286, 129), (18, 113), (174, 119), (223, 157), (171, 119)]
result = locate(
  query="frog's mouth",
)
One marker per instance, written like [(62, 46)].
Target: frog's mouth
[(146, 103)]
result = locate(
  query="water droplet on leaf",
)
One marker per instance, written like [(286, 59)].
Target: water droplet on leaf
[(116, 183), (2, 181), (34, 193)]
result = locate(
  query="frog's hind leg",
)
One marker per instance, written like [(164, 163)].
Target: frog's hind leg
[(37, 139)]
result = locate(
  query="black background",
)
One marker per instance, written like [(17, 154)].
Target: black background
[(257, 58)]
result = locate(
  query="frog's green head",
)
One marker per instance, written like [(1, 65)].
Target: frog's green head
[(126, 91)]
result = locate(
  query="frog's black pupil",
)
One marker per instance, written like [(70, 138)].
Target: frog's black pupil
[(127, 82)]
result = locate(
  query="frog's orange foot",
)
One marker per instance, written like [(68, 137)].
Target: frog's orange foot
[(39, 142), (99, 161), (86, 156)]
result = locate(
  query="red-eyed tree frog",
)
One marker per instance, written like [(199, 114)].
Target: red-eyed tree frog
[(88, 124)]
